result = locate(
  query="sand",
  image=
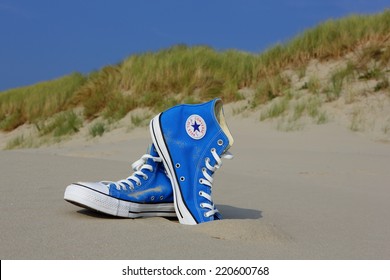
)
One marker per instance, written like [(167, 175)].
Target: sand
[(322, 192)]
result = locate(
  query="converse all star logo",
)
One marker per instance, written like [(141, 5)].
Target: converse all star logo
[(196, 127)]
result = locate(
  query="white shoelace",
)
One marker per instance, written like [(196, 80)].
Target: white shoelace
[(137, 166), (208, 180)]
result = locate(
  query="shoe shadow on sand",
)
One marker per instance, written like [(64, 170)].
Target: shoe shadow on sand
[(238, 224), (228, 212), (96, 214)]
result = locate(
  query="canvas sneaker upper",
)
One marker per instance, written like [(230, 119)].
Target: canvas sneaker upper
[(147, 192), (192, 140)]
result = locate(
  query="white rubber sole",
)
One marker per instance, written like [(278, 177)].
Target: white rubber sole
[(182, 212), (88, 198)]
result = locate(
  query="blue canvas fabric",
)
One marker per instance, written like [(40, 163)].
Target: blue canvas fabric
[(147, 192), (185, 136), (155, 188)]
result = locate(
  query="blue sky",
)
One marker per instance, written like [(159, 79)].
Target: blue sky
[(45, 39)]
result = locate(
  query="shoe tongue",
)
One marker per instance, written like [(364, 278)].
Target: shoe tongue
[(218, 111), (151, 150)]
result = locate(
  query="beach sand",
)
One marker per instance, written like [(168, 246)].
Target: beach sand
[(322, 192)]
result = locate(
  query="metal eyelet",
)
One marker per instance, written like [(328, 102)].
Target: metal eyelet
[(182, 178), (200, 193), (152, 198), (201, 181), (161, 197), (220, 142), (201, 205), (139, 183), (213, 150), (177, 165), (145, 177)]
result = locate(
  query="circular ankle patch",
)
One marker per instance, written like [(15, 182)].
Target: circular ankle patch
[(196, 127)]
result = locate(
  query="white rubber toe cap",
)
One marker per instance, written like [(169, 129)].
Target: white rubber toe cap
[(102, 187)]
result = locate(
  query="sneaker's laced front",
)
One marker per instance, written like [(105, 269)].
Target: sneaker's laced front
[(208, 180), (138, 166)]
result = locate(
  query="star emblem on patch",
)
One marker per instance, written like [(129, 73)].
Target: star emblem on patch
[(196, 127)]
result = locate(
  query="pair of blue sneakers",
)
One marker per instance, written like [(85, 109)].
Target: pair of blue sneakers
[(175, 177)]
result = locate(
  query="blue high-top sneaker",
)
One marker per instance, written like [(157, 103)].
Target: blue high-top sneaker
[(191, 140), (146, 193)]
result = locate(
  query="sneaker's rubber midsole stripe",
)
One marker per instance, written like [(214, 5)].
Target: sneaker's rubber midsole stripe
[(138, 212), (133, 212)]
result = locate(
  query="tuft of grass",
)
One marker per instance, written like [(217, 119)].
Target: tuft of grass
[(21, 141), (337, 80), (140, 119), (371, 74), (313, 85), (291, 120), (357, 120), (269, 88), (239, 110), (322, 118), (66, 123), (382, 84), (386, 127), (311, 107), (299, 109), (137, 120), (15, 142), (97, 129), (276, 109), (289, 125)]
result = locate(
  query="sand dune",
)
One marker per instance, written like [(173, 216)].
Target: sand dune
[(318, 193)]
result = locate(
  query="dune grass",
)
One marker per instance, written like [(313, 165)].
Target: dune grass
[(64, 123), (313, 85), (159, 80), (15, 142), (37, 102), (97, 129)]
